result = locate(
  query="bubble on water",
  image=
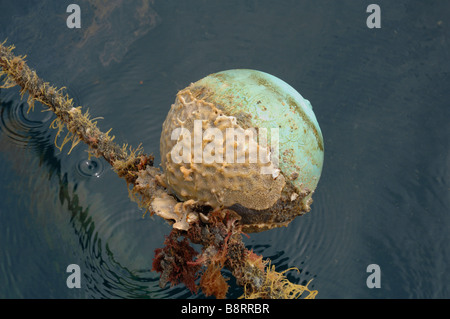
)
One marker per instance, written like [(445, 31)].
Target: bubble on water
[(90, 167)]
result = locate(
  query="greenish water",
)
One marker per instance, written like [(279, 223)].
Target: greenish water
[(380, 96)]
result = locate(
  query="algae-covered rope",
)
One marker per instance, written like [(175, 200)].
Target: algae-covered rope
[(217, 231), (80, 126)]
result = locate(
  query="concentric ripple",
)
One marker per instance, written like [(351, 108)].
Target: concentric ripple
[(90, 167), (19, 124)]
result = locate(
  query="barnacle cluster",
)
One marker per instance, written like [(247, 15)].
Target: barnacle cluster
[(215, 149)]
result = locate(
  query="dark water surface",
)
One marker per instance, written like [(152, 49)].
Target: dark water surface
[(381, 97)]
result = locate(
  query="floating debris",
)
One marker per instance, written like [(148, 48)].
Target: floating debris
[(210, 203)]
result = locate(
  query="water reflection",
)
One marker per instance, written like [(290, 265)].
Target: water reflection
[(108, 29)]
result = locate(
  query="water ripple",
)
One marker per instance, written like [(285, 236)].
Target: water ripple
[(19, 125), (90, 167)]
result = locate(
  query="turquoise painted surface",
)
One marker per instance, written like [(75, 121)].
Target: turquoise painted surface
[(258, 99)]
